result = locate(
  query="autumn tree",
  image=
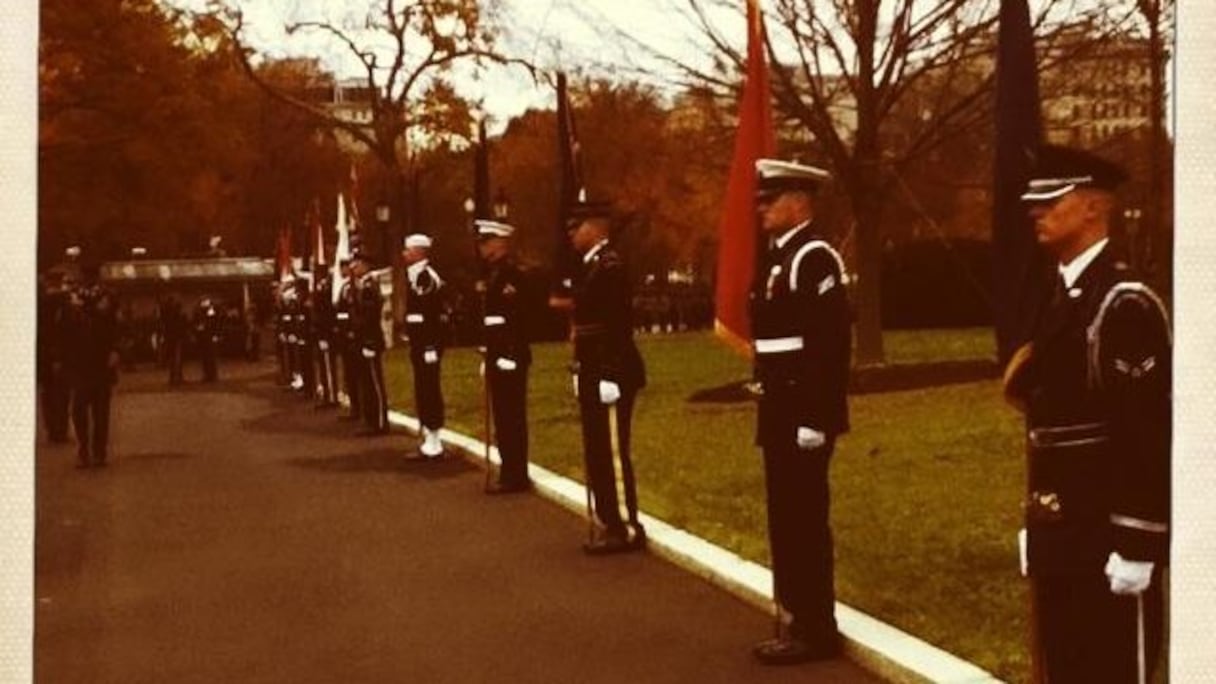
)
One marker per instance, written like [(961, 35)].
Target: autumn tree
[(845, 72), (406, 51)]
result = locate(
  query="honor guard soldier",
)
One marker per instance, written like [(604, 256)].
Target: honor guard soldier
[(207, 324), (802, 328), (289, 302), (90, 335), (507, 356), (370, 337), (608, 375), (346, 337), (323, 334), (173, 332), (280, 331), (426, 321), (304, 338), (1094, 383)]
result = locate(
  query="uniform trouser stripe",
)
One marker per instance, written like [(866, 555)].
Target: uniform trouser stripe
[(376, 371), (602, 459)]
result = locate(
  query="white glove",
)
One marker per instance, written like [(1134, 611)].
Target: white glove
[(574, 383), (505, 364), (323, 345), (809, 438), (1128, 577), (609, 392), (1023, 560), (430, 356), (368, 353)]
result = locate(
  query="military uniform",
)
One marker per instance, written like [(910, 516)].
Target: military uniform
[(207, 336), (801, 326), (370, 337), (801, 323), (90, 335), (323, 324), (426, 323), (508, 358), (604, 351), (347, 340), (303, 327), (1095, 385)]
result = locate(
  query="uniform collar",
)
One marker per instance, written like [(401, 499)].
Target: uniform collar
[(415, 269), (1071, 272), (594, 251), (788, 235)]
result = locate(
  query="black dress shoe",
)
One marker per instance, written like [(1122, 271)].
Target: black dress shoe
[(509, 487), (609, 544), (791, 650)]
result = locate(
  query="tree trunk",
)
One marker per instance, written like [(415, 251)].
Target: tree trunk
[(1156, 187), (865, 193), (867, 212)]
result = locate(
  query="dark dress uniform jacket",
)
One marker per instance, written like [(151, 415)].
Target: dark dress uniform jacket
[(801, 325), (603, 326), (506, 336), (1097, 397), (370, 307), (426, 314)]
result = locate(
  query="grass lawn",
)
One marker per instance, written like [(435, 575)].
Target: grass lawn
[(926, 488)]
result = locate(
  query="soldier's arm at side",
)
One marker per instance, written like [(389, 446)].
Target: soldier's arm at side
[(824, 313), (1134, 364)]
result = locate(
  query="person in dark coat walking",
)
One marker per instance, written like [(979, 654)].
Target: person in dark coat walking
[(609, 373), (90, 335), (173, 330), (507, 353), (1094, 382), (207, 329), (802, 337), (53, 298), (426, 323)]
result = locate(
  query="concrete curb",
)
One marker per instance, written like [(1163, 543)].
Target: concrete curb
[(887, 651)]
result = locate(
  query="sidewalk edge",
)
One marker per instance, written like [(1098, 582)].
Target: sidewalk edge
[(880, 648)]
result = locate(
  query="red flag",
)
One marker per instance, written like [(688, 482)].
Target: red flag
[(754, 139)]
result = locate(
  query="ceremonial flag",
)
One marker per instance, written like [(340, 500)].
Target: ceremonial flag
[(341, 251), (318, 237), (1019, 266), (570, 191), (283, 253), (737, 230)]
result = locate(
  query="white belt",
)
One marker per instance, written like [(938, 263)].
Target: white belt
[(495, 320), (343, 316), (778, 344), (414, 318)]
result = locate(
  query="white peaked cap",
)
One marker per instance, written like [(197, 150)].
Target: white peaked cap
[(776, 168), (73, 251), (488, 228), (417, 240)]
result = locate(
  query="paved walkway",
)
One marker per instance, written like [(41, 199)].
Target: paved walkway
[(240, 536)]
